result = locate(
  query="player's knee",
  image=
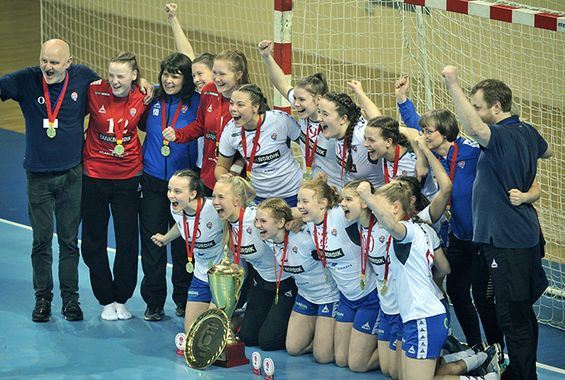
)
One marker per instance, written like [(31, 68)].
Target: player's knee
[(341, 360), (324, 356)]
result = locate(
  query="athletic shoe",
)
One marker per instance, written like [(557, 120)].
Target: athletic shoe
[(72, 312), (180, 310), (480, 347), (153, 314), (42, 310), (490, 365), (452, 345)]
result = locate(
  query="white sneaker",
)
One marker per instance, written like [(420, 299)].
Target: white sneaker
[(109, 313), (122, 312)]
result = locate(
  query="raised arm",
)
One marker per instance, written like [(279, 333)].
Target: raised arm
[(469, 118), (405, 106), (274, 72), (369, 108), (181, 41)]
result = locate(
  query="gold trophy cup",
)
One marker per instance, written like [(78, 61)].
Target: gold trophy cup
[(210, 339)]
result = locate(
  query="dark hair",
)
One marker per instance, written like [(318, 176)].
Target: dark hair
[(444, 121), (194, 182), (238, 62), (390, 129), (131, 60), (416, 190), (494, 91), (206, 59), (256, 96), (315, 84), (177, 63), (345, 106)]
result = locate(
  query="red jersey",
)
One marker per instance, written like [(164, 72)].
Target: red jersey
[(107, 114), (212, 116)]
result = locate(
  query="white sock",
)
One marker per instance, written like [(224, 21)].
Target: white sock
[(450, 358), (121, 310), (488, 376), (475, 361), (109, 313)]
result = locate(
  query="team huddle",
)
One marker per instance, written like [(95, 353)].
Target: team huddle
[(345, 249)]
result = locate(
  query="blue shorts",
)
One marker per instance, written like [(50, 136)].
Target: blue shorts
[(305, 307), (445, 304), (291, 201), (390, 329), (364, 312), (199, 291), (423, 338)]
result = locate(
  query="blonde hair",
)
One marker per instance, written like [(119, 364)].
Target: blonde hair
[(322, 190), (398, 191), (278, 208), (244, 192)]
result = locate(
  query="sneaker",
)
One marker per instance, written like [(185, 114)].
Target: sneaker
[(490, 365), (42, 310), (480, 347), (452, 345), (153, 313), (72, 312), (180, 310)]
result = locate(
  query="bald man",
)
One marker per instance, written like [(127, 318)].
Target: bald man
[(52, 97)]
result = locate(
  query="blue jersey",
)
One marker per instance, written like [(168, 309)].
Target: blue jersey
[(182, 156), (64, 151)]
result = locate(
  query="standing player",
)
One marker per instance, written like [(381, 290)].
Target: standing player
[(197, 222), (312, 321), (262, 138)]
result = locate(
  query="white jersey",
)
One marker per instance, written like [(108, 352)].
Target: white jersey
[(435, 242), (324, 158), (343, 254), (208, 246), (407, 167), (362, 168), (200, 145), (412, 265), (308, 272), (426, 217), (377, 259), (253, 249), (275, 172)]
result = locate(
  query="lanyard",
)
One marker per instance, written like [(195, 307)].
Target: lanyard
[(190, 249), (237, 253), (164, 117), (219, 123), (365, 255), (452, 166), (119, 122), (343, 154), (52, 114), (310, 152), (394, 165), (281, 269), (322, 253), (254, 147)]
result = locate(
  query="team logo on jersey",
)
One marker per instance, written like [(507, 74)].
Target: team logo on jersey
[(132, 112), (74, 96), (404, 173), (184, 108), (295, 249), (382, 239), (354, 148), (461, 164), (334, 232), (494, 265), (274, 136), (209, 109), (102, 109), (366, 326), (41, 100), (249, 230), (209, 225), (155, 112)]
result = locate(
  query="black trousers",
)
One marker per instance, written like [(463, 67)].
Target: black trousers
[(469, 271), (155, 217), (265, 322), (121, 197), (513, 276)]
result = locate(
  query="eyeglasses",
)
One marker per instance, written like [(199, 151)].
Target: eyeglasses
[(428, 132)]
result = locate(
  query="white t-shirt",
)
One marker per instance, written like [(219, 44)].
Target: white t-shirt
[(208, 246), (412, 262), (407, 167), (343, 255), (275, 172), (308, 272)]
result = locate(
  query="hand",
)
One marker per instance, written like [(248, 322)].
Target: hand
[(169, 134), (159, 240), (364, 190), (516, 197), (171, 10), (265, 48), (294, 225), (146, 88), (449, 74), (401, 89), (421, 143), (356, 87)]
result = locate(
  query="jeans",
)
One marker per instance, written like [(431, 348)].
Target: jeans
[(59, 193)]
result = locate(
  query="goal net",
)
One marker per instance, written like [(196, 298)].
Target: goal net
[(373, 41)]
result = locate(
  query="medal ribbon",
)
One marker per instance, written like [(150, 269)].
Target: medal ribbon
[(52, 114), (254, 148), (365, 255), (164, 117), (119, 127), (452, 165), (279, 276), (310, 152), (322, 253), (237, 253), (394, 165), (190, 249), (343, 154), (387, 258), (219, 123)]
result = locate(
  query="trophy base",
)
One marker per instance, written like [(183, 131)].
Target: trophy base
[(232, 356)]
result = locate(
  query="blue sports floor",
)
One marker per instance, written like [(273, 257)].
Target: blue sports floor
[(134, 349)]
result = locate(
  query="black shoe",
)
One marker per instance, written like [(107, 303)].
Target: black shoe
[(180, 310), (72, 312), (480, 347), (452, 345), (490, 365), (153, 313), (42, 310)]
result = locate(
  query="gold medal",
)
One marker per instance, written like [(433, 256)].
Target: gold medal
[(165, 150), (363, 284), (384, 288), (119, 150), (189, 267), (447, 214), (307, 175), (51, 132), (277, 296)]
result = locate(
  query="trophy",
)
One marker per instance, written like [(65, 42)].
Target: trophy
[(210, 339)]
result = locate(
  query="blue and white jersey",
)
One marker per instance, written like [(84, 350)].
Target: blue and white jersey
[(343, 254), (412, 265), (324, 158), (308, 272), (407, 167), (362, 168), (253, 249), (208, 246), (434, 242), (275, 171)]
